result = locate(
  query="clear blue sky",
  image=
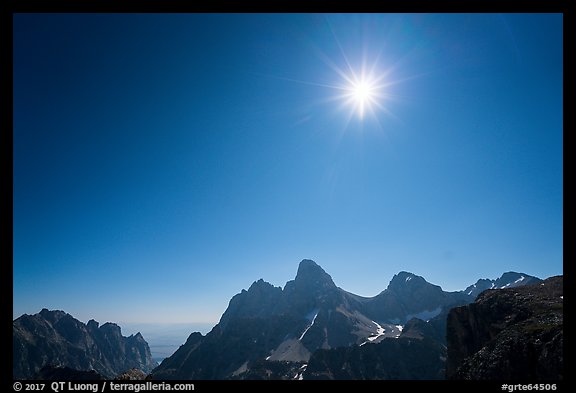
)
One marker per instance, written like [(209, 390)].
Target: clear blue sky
[(162, 163)]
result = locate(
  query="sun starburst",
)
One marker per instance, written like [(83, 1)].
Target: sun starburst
[(362, 93)]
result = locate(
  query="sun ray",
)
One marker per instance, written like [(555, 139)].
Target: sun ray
[(362, 85)]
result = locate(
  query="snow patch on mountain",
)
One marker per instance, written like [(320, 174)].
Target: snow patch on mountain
[(380, 331), (309, 326), (299, 375)]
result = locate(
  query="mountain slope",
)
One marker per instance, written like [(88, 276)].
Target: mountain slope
[(391, 359), (55, 338), (509, 334)]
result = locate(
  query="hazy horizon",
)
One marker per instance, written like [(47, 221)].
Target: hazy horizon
[(164, 162)]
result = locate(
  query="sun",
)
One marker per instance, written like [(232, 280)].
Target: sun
[(362, 94), (362, 89)]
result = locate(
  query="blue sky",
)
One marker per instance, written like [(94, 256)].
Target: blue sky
[(164, 162)]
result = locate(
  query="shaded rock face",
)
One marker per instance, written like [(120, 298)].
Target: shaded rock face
[(391, 359), (55, 338), (258, 302), (509, 334), (418, 329), (270, 370)]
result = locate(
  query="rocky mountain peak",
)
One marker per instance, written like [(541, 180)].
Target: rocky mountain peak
[(404, 280), (258, 301), (260, 286), (507, 280), (310, 274), (111, 328), (92, 325), (52, 316), (514, 279), (138, 336)]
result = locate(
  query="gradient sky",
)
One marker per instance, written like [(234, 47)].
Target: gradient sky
[(164, 162)]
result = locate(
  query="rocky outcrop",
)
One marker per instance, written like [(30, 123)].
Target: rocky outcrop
[(56, 339), (509, 334)]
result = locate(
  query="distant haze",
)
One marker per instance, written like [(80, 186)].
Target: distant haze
[(164, 339)]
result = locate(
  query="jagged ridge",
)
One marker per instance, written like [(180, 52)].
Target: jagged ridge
[(56, 339)]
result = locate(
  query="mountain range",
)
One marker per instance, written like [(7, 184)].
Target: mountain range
[(311, 318), (507, 280), (310, 329)]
